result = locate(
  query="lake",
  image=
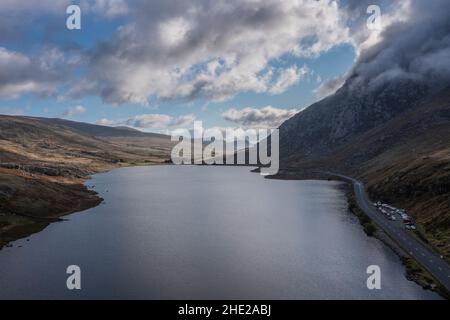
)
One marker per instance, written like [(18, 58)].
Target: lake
[(187, 232)]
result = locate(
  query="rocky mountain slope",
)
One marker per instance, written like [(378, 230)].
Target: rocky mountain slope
[(395, 138)]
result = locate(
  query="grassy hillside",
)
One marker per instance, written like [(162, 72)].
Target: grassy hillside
[(44, 162), (414, 173)]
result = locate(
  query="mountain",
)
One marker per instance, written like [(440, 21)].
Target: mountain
[(44, 162), (389, 124), (395, 138), (99, 130)]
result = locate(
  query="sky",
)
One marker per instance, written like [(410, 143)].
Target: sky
[(159, 65)]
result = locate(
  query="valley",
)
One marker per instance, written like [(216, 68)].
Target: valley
[(44, 163)]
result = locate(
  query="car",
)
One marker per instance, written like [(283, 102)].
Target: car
[(410, 226)]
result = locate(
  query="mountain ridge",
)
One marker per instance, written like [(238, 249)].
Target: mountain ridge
[(395, 138)]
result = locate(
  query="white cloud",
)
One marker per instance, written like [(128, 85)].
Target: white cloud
[(288, 77), (182, 121), (267, 117), (150, 121), (214, 50), (329, 87), (174, 31), (106, 122), (110, 8), (73, 111)]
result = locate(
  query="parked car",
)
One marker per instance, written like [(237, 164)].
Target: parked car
[(410, 226)]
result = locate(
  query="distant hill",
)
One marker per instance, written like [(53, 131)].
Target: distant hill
[(36, 139), (43, 163), (99, 130)]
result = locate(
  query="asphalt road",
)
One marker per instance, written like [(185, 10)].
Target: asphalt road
[(428, 259)]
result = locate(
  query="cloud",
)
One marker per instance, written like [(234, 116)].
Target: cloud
[(20, 18), (267, 117), (151, 121), (288, 77), (414, 45), (41, 74), (182, 121), (80, 89), (73, 111), (42, 22), (106, 122), (214, 50), (34, 6), (108, 8), (201, 49), (330, 87)]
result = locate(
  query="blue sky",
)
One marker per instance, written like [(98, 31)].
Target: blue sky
[(283, 67)]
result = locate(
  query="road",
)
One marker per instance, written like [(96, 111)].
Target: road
[(428, 259)]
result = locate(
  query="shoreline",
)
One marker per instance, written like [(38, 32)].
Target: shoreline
[(413, 270), (25, 225)]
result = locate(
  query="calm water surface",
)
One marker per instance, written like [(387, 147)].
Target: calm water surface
[(206, 233)]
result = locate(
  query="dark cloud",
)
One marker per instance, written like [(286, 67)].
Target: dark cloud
[(415, 46), (40, 74)]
